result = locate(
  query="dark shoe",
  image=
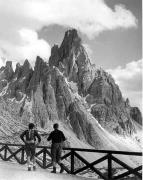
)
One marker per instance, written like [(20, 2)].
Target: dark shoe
[(29, 168), (34, 168), (54, 170), (62, 168)]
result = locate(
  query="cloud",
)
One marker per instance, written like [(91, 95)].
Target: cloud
[(2, 59), (129, 80), (1, 62), (28, 48), (90, 17), (32, 46)]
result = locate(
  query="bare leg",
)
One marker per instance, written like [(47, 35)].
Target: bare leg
[(34, 161), (28, 163), (31, 160)]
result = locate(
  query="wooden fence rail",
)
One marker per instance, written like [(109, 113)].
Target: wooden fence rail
[(72, 156)]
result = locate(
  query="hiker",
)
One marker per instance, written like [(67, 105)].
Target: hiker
[(57, 137), (29, 137)]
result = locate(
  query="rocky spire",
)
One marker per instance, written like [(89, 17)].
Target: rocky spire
[(136, 115), (17, 69), (40, 72), (71, 39), (9, 70), (26, 68), (55, 98), (72, 60), (23, 70), (55, 56)]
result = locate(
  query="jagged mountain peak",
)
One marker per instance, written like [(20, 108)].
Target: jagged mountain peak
[(17, 65), (55, 56), (40, 65), (8, 64), (136, 115), (38, 62), (71, 40), (40, 73), (18, 70), (26, 64), (71, 44), (71, 37), (8, 70), (23, 70), (72, 60), (70, 90)]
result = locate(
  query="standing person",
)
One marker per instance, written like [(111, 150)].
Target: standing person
[(57, 137), (29, 138)]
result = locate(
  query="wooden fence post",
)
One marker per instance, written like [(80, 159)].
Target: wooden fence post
[(5, 152), (22, 155), (109, 166), (72, 161), (44, 158)]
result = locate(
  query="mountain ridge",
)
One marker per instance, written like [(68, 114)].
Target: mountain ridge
[(71, 91)]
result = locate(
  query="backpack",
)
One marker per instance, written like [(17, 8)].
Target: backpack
[(30, 135)]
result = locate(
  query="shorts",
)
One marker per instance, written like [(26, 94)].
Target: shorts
[(56, 152), (30, 150)]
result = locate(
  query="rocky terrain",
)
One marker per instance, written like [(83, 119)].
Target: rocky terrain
[(67, 89)]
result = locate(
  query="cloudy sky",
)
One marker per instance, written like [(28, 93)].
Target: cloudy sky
[(110, 31)]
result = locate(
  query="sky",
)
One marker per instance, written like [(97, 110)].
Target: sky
[(110, 31)]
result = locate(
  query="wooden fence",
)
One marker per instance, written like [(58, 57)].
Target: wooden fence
[(71, 156)]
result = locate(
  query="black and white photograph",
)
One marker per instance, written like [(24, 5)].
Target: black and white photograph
[(71, 90)]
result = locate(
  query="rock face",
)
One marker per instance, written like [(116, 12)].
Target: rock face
[(8, 71), (102, 95), (70, 90), (72, 59), (136, 114), (37, 76), (108, 106)]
